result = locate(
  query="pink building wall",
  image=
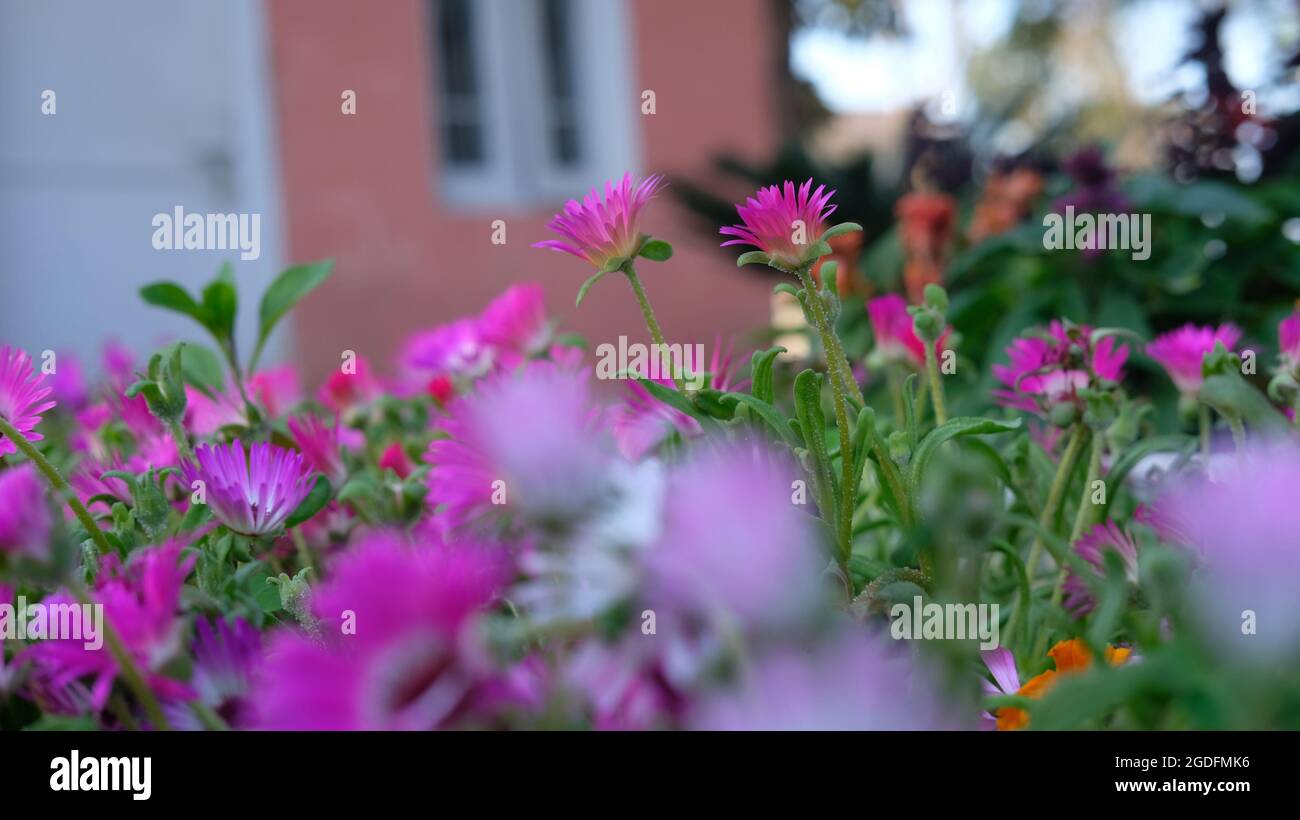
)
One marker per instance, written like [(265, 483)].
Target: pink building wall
[(361, 188)]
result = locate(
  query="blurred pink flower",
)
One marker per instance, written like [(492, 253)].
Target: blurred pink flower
[(275, 390), (319, 444), (1181, 351), (252, 494), (1241, 522), (855, 682), (515, 322), (396, 648), (769, 221), (456, 349), (140, 600), (602, 230), (342, 391), (25, 518), (1091, 547), (22, 397), (895, 337), (394, 458), (1288, 341), (227, 657), (1050, 368), (537, 433), (69, 383)]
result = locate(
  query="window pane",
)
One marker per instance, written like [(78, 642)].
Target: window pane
[(461, 111), (557, 54)]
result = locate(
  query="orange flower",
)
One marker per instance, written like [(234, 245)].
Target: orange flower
[(1070, 657)]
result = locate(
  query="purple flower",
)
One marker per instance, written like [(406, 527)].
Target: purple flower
[(456, 349), (140, 600), (22, 395), (396, 648), (1091, 547), (1242, 524), (783, 222), (526, 443), (603, 230), (1047, 369), (854, 682), (25, 519), (515, 322), (734, 544), (1181, 352), (251, 495), (226, 660)]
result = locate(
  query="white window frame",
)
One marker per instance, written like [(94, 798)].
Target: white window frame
[(519, 167)]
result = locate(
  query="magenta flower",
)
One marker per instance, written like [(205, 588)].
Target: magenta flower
[(25, 519), (22, 395), (1288, 340), (734, 544), (227, 657), (515, 322), (319, 444), (1091, 547), (526, 443), (396, 648), (456, 349), (276, 390), (895, 336), (1181, 351), (342, 390), (854, 682), (783, 222), (605, 230), (1241, 522), (1050, 368), (69, 383), (644, 422), (251, 495), (140, 600)]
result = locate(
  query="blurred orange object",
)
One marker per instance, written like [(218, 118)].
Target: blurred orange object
[(847, 250), (927, 224), (1007, 198)]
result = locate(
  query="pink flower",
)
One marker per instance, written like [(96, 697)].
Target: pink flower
[(227, 657), (896, 339), (515, 322), (644, 422), (1181, 351), (1050, 368), (1091, 547), (603, 230), (25, 519), (319, 444), (342, 390), (396, 648), (782, 222), (456, 349), (733, 544), (1288, 340), (251, 495), (394, 458), (140, 600), (276, 390), (530, 440), (1242, 523), (1006, 679), (69, 383), (22, 395), (852, 683)]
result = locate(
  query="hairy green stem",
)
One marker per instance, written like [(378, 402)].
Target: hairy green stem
[(936, 384), (58, 483), (1082, 518), (652, 324)]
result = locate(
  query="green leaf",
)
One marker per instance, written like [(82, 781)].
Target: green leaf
[(670, 397), (767, 413), (842, 228), (202, 368), (961, 426), (173, 297), (656, 250), (586, 286), (286, 291), (1230, 394), (1129, 457), (760, 373), (313, 503), (753, 258), (220, 303), (808, 407)]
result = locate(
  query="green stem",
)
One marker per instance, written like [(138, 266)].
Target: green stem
[(1082, 518), (830, 342), (182, 440), (1203, 417), (1048, 515), (1238, 430), (125, 664), (58, 483), (936, 384), (896, 394), (652, 324)]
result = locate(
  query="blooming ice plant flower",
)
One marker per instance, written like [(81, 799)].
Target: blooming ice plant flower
[(396, 645), (227, 656), (1091, 547), (1180, 352), (1049, 368), (527, 443), (22, 397), (515, 322), (783, 222), (604, 230), (251, 494)]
